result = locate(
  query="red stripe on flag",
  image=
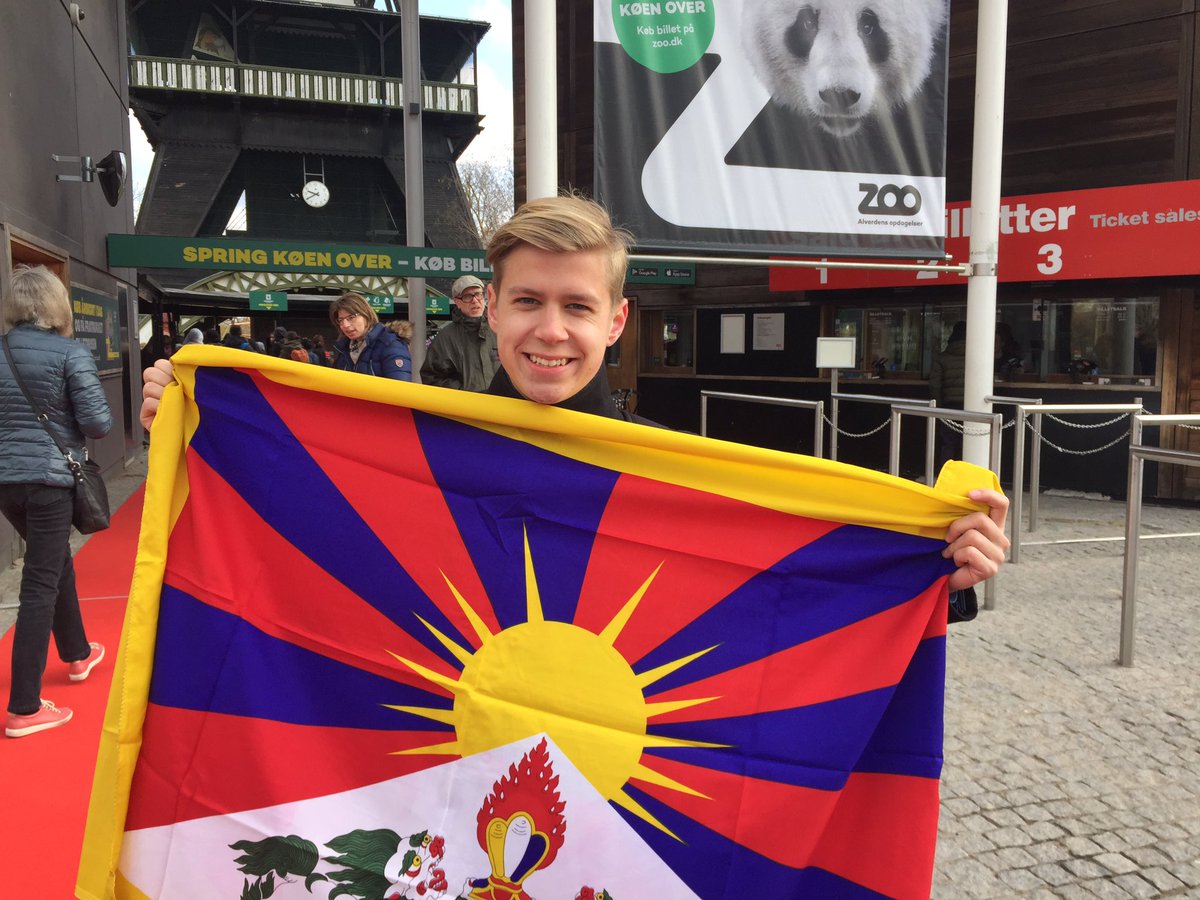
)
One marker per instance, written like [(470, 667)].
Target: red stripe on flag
[(867, 655), (368, 473), (879, 831), (708, 545), (217, 524), (195, 764)]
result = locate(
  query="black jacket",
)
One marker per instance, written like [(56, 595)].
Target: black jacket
[(595, 398)]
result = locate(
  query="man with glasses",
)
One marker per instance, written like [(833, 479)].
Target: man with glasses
[(463, 355), (365, 345)]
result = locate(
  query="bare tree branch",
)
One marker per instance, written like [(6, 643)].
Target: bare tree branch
[(488, 187)]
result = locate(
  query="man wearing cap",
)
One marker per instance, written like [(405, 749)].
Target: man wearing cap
[(463, 355)]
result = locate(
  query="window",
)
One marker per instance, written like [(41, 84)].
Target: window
[(1106, 340), (668, 341)]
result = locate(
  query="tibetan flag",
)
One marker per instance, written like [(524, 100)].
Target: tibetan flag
[(394, 641)]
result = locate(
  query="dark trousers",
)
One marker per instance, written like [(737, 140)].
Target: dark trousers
[(48, 602)]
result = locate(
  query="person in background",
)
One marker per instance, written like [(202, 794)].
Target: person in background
[(212, 336), (464, 354), (320, 351), (194, 336), (278, 338), (403, 329), (37, 489), (366, 346), (235, 339)]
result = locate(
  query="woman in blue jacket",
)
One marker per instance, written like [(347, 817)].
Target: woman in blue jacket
[(37, 490), (366, 346)]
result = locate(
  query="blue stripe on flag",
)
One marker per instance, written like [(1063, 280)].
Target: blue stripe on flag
[(705, 860), (559, 500), (891, 730), (208, 659), (243, 439), (803, 596)]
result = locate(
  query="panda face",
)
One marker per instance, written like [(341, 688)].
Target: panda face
[(841, 61)]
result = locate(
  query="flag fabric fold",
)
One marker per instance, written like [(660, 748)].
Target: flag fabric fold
[(387, 640)]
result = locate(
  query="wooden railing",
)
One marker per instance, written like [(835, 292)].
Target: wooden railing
[(242, 80)]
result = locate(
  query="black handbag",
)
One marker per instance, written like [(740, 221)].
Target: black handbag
[(91, 495)]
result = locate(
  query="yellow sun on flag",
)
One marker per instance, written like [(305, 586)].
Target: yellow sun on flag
[(564, 680)]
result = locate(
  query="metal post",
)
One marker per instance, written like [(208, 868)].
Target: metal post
[(1018, 497), (541, 100), (833, 414), (817, 406), (930, 456), (414, 172), (1035, 472), (703, 414), (986, 156)]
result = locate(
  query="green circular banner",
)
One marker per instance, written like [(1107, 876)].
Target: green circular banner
[(665, 35)]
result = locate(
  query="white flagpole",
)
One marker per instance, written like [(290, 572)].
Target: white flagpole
[(986, 156)]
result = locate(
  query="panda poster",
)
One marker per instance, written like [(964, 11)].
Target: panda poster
[(774, 126)]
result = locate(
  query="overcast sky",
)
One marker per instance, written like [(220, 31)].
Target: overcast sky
[(495, 85)]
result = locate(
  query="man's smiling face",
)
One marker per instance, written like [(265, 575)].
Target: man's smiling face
[(553, 319)]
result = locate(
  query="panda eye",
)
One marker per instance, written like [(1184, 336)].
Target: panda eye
[(807, 19), (867, 23)]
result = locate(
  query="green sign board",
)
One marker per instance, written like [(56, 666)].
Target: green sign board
[(152, 251), (660, 273), (437, 305), (272, 301), (381, 303)]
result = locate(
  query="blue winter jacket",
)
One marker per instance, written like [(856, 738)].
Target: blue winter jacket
[(61, 375), (385, 355)]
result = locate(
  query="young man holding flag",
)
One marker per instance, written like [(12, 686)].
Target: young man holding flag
[(556, 305)]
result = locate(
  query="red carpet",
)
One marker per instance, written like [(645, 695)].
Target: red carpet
[(45, 779)]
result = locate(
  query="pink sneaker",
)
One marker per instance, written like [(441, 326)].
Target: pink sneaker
[(81, 669), (49, 716)]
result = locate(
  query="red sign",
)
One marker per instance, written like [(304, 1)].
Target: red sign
[(1121, 232)]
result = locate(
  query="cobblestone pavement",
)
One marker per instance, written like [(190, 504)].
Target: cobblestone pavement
[(1066, 774)]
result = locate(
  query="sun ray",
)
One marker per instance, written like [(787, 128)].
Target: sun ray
[(451, 749), (533, 600), (645, 773), (666, 743), (613, 629), (481, 629), (626, 802), (650, 676), (462, 654), (450, 684), (668, 706), (445, 716)]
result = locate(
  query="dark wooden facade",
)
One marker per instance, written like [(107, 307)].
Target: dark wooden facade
[(1098, 94), (65, 90)]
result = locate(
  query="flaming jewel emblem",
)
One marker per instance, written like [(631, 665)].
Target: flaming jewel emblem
[(520, 827)]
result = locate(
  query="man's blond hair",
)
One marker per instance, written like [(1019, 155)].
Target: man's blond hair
[(571, 223)]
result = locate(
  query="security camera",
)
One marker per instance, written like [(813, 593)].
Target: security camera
[(77, 14)]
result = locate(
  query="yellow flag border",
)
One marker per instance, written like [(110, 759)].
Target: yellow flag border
[(798, 485)]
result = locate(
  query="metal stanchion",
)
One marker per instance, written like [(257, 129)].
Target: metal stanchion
[(994, 421), (1037, 411), (1138, 454), (818, 406), (1035, 455), (881, 400)]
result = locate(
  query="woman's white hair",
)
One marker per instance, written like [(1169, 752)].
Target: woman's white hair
[(38, 298)]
